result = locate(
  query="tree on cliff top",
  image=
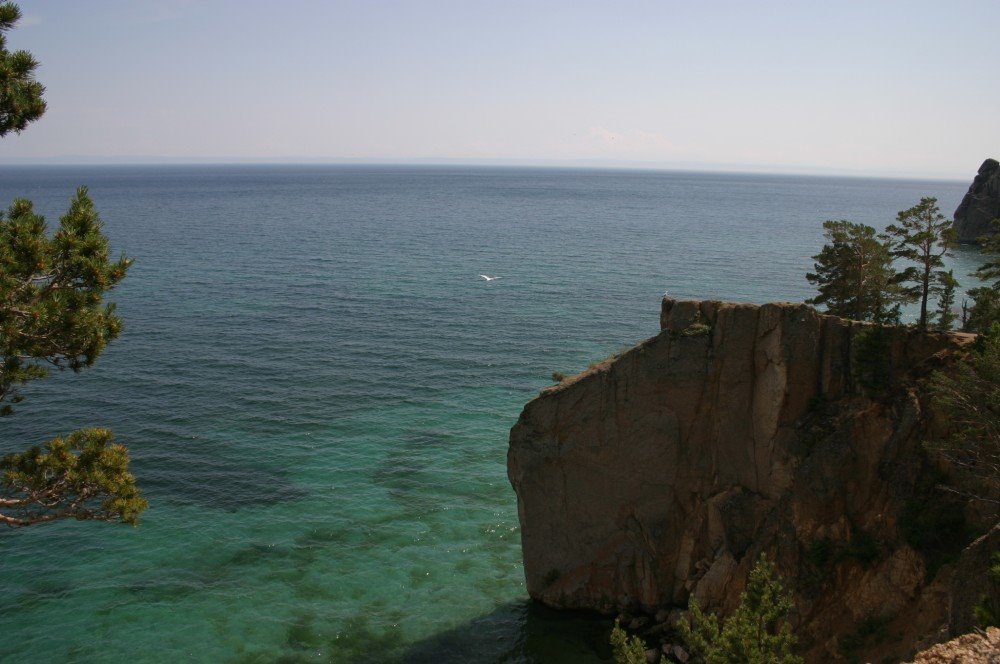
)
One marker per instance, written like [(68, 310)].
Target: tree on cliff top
[(854, 274), (921, 235), (52, 314)]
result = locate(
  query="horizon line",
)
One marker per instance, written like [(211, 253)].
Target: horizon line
[(547, 164)]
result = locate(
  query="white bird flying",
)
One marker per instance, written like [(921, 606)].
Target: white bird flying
[(487, 277)]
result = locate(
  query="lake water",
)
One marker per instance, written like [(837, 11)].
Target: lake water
[(316, 387)]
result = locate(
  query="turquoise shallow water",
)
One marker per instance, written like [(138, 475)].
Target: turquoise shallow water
[(316, 387)]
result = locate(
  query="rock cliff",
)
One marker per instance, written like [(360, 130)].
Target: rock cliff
[(738, 430), (981, 205)]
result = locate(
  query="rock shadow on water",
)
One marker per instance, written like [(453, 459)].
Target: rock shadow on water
[(38, 592), (519, 633), (515, 633), (409, 471), (219, 483)]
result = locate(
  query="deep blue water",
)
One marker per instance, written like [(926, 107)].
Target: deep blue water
[(316, 387)]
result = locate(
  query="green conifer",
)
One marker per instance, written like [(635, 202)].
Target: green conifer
[(52, 314), (945, 287), (756, 633), (921, 235), (854, 274)]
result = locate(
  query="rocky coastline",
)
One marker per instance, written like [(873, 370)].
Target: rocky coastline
[(663, 473), (980, 206)]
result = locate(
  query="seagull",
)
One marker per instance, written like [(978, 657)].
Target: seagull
[(488, 278)]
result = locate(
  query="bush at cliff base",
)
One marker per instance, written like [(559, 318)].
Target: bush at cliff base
[(757, 632)]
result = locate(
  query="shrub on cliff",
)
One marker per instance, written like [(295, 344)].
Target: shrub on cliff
[(756, 633), (627, 650), (52, 314)]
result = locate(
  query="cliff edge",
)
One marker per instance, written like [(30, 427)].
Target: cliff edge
[(738, 430)]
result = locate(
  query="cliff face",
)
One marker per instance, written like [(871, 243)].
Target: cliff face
[(981, 205), (739, 430)]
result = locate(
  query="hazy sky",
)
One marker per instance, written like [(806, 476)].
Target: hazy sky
[(891, 88)]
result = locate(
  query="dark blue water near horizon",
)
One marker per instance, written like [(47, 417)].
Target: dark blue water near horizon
[(316, 386)]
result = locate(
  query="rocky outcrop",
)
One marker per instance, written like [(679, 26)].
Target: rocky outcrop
[(974, 648), (665, 472), (981, 205)]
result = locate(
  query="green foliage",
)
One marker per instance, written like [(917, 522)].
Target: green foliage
[(756, 633), (52, 289), (968, 394), (984, 312), (945, 287), (558, 376), (20, 94), (52, 314), (854, 274), (987, 611), (627, 650), (697, 328), (923, 236), (871, 362), (990, 244), (82, 476)]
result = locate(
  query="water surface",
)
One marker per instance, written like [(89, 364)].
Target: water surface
[(317, 386)]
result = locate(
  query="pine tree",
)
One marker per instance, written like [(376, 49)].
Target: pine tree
[(20, 94), (854, 274), (52, 314), (990, 244), (756, 633), (985, 309), (626, 650), (921, 235), (945, 287)]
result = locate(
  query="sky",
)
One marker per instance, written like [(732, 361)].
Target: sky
[(906, 89)]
